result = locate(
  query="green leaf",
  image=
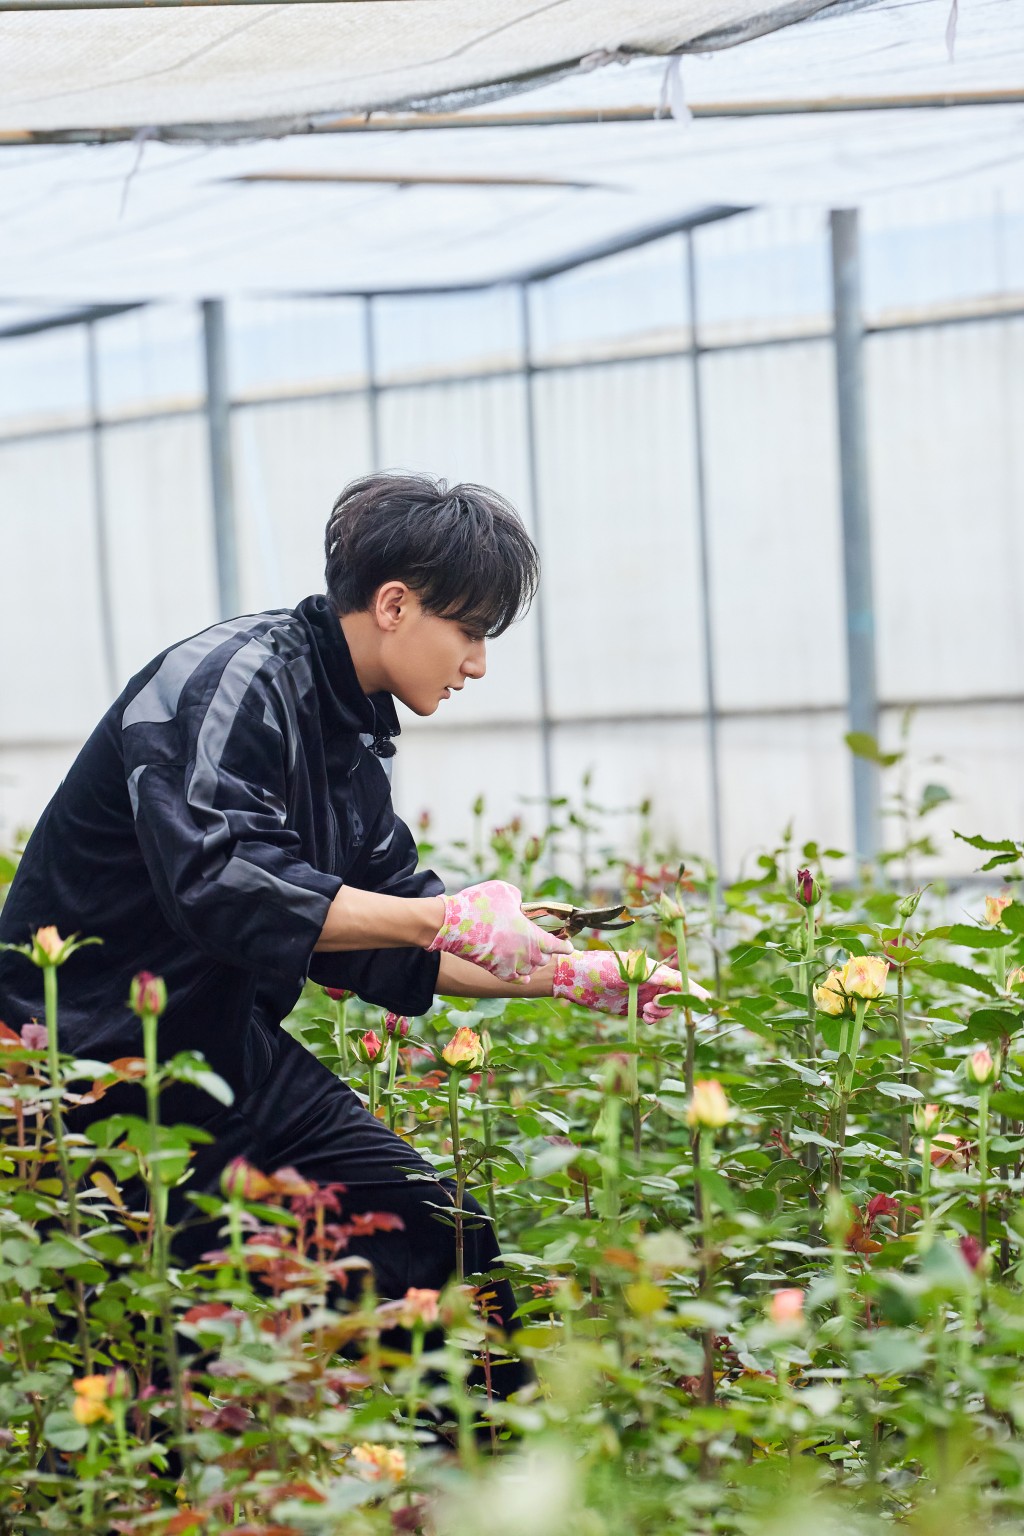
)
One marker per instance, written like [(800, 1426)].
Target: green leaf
[(991, 1024), (865, 746), (959, 975), (978, 938), (63, 1433), (897, 1090), (931, 796), (1013, 917), (1004, 845)]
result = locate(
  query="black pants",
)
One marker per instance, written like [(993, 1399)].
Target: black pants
[(299, 1115)]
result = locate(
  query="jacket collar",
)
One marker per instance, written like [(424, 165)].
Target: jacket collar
[(342, 700)]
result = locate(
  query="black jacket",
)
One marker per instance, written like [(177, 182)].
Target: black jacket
[(202, 833)]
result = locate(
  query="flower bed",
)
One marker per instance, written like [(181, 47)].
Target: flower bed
[(767, 1250)]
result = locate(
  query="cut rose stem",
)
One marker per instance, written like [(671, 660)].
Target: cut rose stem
[(57, 1119)]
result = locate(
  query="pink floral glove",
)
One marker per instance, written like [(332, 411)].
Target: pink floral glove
[(485, 924), (592, 977)]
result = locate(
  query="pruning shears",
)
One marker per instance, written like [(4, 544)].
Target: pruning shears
[(565, 921)]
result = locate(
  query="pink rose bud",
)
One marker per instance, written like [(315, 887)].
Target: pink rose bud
[(369, 1047), (971, 1252), (241, 1181), (34, 1037), (424, 821), (49, 946), (148, 995), (337, 994), (396, 1024), (808, 891), (419, 1306), (464, 1051), (787, 1307), (982, 1067), (927, 1117)]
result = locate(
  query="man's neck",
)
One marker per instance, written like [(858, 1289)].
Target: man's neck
[(362, 639)]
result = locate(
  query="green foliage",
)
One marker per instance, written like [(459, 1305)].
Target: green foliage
[(263, 1392)]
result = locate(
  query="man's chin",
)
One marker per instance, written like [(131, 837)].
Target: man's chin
[(420, 707)]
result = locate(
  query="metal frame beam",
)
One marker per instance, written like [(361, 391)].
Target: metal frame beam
[(856, 524), (533, 477), (222, 489)]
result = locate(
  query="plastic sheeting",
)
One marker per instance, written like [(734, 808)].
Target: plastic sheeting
[(330, 212), (79, 67)]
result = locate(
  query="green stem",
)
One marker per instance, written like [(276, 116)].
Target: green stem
[(634, 1063), (67, 1180), (158, 1196), (705, 1142), (809, 955), (611, 1149), (341, 1031), (844, 1081), (393, 1046), (460, 1185), (983, 1163), (901, 1025), (373, 1088), (412, 1397), (926, 1191), (485, 1116)]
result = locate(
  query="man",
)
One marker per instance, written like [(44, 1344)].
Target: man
[(229, 826)]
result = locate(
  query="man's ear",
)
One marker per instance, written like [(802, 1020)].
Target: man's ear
[(390, 605)]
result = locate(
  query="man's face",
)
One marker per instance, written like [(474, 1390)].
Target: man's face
[(427, 658)]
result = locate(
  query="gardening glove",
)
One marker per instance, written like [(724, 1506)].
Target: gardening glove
[(485, 924), (592, 978)]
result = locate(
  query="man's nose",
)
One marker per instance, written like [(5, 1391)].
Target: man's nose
[(475, 664)]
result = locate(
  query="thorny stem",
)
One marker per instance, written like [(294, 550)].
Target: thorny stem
[(634, 1069), (460, 1181), (341, 1031), (901, 1025), (57, 1119), (983, 1163), (158, 1198)]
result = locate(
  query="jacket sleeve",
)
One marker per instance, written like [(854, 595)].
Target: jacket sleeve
[(208, 790), (401, 980)]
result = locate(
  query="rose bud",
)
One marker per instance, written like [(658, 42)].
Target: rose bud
[(369, 1047), (808, 891), (241, 1181), (982, 1068), (532, 850), (419, 1306), (829, 997), (464, 1051), (148, 994), (909, 905), (379, 1463), (927, 1117), (972, 1252), (863, 977), (49, 947), (396, 1024), (634, 966), (709, 1107), (787, 1307), (995, 906), (336, 994), (670, 909)]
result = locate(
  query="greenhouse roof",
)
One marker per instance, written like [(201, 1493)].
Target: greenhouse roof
[(224, 149)]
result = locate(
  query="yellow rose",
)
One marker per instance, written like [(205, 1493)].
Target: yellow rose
[(90, 1404), (376, 1462), (995, 906), (634, 966), (828, 997), (709, 1107), (864, 977), (464, 1050)]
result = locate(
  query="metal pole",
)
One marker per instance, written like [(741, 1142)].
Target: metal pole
[(372, 387), (218, 418), (547, 771), (704, 563), (99, 492), (856, 518)]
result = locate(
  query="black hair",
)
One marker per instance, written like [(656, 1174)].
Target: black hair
[(463, 551)]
